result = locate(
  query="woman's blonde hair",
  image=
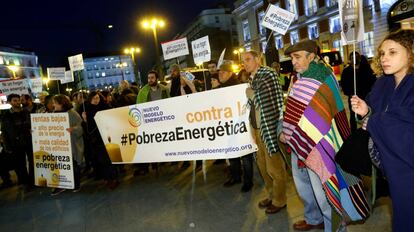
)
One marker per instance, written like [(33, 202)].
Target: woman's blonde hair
[(406, 39)]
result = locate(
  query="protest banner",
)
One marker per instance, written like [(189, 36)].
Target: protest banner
[(199, 129), (175, 48), (52, 151), (352, 21), (76, 62), (201, 50), (14, 86), (68, 77), (56, 73), (35, 85), (277, 19)]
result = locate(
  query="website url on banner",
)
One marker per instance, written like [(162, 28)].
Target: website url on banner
[(210, 151)]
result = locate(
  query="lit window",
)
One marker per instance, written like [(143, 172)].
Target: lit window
[(294, 37), (279, 42), (262, 29), (331, 3), (310, 7), (103, 74), (337, 46), (334, 24), (246, 30), (368, 48), (292, 7), (97, 74), (313, 31)]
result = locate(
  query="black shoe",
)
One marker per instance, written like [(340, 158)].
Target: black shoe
[(246, 188), (231, 182)]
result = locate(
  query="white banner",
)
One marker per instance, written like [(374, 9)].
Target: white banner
[(201, 50), (36, 85), (277, 19), (199, 126), (175, 48), (352, 21), (14, 86), (52, 151), (68, 77), (56, 73), (76, 62)]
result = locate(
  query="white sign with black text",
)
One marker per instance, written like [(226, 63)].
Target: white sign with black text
[(175, 48), (56, 73), (76, 62), (277, 19), (201, 50)]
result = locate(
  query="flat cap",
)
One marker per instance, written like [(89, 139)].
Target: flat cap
[(305, 45)]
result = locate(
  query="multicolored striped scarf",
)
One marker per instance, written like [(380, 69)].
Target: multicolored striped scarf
[(315, 126)]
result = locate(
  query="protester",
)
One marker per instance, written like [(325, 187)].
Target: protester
[(62, 104), (388, 117), (48, 107), (28, 104), (16, 133), (313, 108), (228, 78), (101, 162), (213, 74), (150, 92), (266, 99), (365, 78)]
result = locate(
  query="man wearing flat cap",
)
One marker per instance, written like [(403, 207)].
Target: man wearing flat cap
[(314, 128)]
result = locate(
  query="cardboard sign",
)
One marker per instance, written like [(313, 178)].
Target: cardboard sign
[(36, 85), (14, 86), (352, 21), (201, 50), (56, 73), (175, 48), (277, 19), (68, 77), (52, 150), (76, 62)]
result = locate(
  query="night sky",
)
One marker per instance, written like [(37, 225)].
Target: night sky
[(57, 29)]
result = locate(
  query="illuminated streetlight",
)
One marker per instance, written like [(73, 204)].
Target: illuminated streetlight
[(238, 52), (153, 24), (131, 51)]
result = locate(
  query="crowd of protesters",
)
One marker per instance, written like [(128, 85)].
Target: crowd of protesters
[(300, 125)]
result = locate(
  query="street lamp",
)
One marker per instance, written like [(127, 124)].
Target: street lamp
[(131, 51), (153, 24), (122, 65), (238, 52), (14, 69)]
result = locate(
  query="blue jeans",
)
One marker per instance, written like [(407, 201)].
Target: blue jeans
[(309, 187)]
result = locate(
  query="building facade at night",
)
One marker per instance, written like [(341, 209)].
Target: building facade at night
[(106, 72), (25, 63), (316, 20), (219, 25)]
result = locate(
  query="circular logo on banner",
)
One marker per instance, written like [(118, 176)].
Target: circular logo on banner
[(135, 117)]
